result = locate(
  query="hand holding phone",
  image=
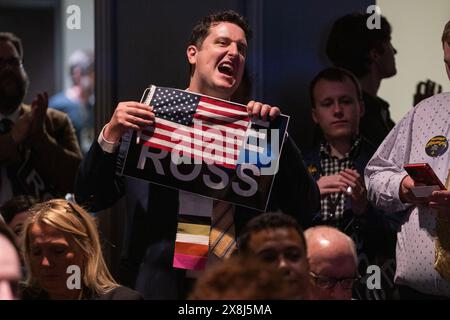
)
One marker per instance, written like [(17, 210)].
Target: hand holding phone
[(422, 173)]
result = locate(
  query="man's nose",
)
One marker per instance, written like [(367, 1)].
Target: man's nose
[(233, 49), (337, 108), (45, 261), (283, 265)]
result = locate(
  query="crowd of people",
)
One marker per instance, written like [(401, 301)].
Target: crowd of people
[(334, 210)]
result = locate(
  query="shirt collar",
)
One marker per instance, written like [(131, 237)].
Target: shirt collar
[(325, 148)]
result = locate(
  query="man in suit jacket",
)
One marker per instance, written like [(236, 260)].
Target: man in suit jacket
[(216, 53), (337, 163), (39, 150)]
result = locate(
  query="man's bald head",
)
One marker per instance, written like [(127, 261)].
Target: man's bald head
[(331, 256), (330, 242)]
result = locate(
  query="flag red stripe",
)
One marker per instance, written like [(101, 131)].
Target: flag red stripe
[(224, 104), (221, 122), (224, 113), (196, 137), (183, 128), (190, 144)]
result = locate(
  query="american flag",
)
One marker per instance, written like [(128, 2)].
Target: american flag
[(197, 126)]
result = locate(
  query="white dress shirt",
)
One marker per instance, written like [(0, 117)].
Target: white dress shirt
[(415, 252)]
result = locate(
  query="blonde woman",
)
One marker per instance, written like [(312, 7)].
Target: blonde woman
[(62, 252)]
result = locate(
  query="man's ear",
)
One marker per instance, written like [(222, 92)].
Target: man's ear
[(362, 109), (192, 54), (314, 116), (374, 55)]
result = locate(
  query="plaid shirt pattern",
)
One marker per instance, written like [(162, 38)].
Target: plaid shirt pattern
[(333, 205)]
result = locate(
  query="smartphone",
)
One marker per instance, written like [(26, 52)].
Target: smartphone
[(423, 173)]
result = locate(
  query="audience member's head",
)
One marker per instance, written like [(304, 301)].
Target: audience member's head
[(10, 273), (277, 239), (57, 235), (15, 212), (446, 44), (218, 46), (242, 278), (13, 78), (333, 263), (81, 66), (337, 103), (354, 46)]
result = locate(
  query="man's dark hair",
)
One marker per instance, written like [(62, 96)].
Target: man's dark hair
[(446, 34), (350, 42), (16, 205), (268, 221), (242, 278), (201, 30), (334, 74), (17, 43)]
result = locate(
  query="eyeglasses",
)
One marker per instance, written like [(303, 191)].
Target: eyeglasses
[(12, 62), (329, 283)]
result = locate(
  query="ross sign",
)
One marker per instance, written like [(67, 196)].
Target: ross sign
[(205, 145)]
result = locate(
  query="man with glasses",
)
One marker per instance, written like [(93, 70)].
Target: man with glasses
[(39, 150), (332, 262)]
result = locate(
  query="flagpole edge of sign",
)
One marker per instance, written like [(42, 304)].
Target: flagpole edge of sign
[(127, 136)]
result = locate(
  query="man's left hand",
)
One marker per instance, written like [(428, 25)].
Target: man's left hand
[(39, 108), (358, 194), (440, 200)]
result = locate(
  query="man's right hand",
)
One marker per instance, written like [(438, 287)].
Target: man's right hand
[(128, 115), (330, 184)]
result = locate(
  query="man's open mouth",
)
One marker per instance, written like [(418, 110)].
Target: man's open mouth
[(226, 68)]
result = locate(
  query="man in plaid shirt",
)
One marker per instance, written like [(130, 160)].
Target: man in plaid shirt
[(337, 164)]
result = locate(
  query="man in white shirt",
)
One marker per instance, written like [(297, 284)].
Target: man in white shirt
[(421, 136)]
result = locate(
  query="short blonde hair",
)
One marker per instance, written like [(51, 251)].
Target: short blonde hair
[(75, 222), (446, 34)]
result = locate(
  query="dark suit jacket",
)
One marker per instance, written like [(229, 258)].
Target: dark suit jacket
[(147, 253), (376, 123), (55, 154)]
